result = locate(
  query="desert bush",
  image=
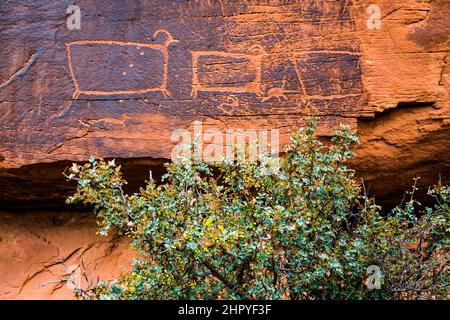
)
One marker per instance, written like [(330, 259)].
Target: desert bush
[(229, 230)]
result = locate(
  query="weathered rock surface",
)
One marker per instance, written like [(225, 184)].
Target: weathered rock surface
[(38, 251), (137, 71)]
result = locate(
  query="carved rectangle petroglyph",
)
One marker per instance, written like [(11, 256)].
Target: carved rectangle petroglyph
[(252, 63), (104, 51), (328, 73)]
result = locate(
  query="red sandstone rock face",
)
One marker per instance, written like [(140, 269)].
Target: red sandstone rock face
[(38, 250), (405, 73), (137, 71)]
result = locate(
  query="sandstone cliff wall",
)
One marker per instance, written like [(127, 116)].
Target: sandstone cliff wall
[(136, 71)]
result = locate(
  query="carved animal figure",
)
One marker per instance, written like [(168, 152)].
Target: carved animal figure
[(277, 92)]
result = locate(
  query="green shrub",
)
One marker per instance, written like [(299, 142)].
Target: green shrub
[(231, 231)]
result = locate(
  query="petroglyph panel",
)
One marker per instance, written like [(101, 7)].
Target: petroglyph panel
[(135, 72), (152, 67)]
